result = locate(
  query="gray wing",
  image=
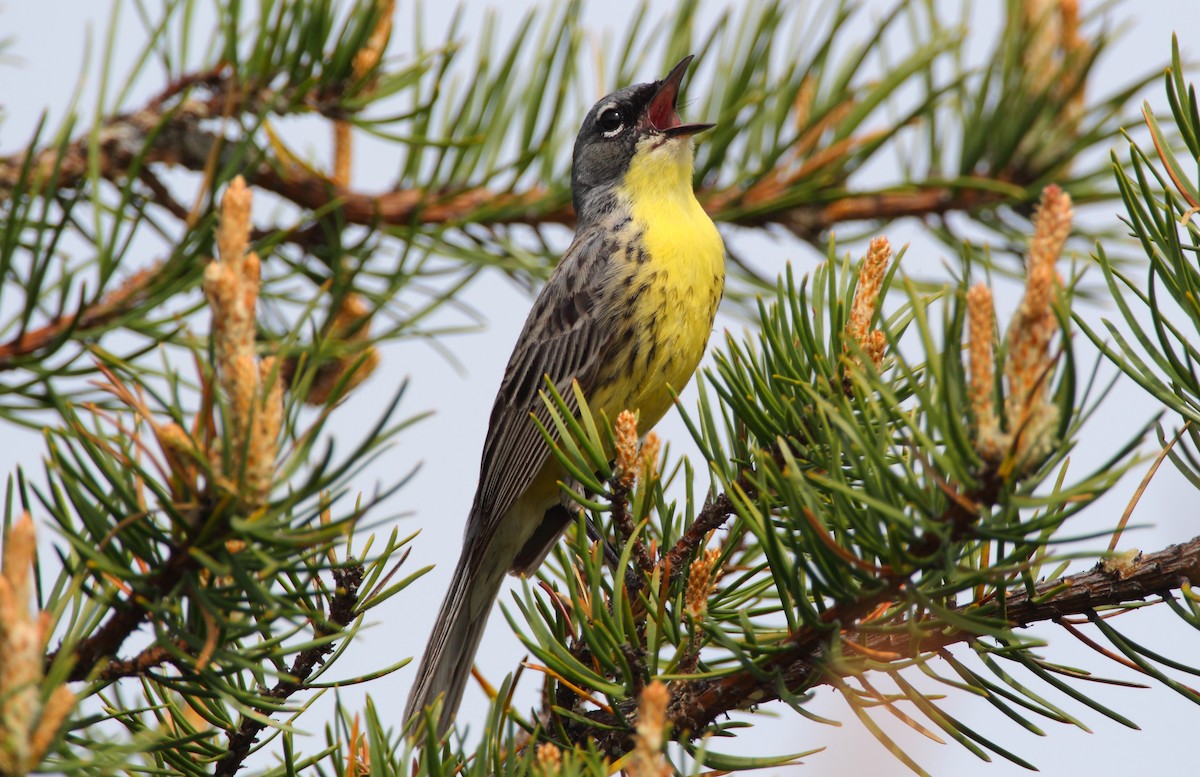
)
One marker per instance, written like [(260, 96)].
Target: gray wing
[(564, 337)]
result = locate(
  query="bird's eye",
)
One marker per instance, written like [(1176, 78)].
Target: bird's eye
[(611, 120)]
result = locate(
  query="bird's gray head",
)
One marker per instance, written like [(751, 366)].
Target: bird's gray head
[(633, 120)]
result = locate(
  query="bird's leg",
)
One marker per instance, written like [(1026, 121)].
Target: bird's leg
[(611, 557)]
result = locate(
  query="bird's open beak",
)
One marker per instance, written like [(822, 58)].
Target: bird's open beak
[(661, 110)]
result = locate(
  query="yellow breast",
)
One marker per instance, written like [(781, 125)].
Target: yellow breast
[(676, 275)]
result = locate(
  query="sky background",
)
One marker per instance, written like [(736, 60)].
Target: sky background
[(50, 47)]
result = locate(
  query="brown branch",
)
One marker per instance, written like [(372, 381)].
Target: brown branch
[(1148, 575), (808, 221), (696, 705), (153, 656), (162, 195), (626, 528), (538, 207), (169, 130), (711, 516), (961, 513), (407, 207), (111, 306), (212, 79), (126, 618), (341, 612)]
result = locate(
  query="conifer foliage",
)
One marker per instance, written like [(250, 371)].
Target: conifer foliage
[(882, 498)]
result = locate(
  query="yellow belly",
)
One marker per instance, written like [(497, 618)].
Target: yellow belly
[(662, 286), (681, 274)]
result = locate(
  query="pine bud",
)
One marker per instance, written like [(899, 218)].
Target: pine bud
[(627, 448), (701, 582), (866, 297), (647, 759)]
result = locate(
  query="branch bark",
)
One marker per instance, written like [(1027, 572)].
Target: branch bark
[(150, 658), (127, 617), (696, 705), (174, 129), (108, 308), (341, 612), (169, 130)]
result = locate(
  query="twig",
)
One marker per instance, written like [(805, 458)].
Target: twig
[(695, 705), (109, 307), (711, 516), (173, 128), (626, 529), (341, 613), (809, 221), (162, 195), (153, 656), (962, 512), (127, 617)]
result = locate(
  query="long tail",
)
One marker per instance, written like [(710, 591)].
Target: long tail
[(446, 665)]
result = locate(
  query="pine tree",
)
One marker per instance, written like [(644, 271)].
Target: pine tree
[(882, 500)]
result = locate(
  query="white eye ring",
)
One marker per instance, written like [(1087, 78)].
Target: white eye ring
[(612, 113)]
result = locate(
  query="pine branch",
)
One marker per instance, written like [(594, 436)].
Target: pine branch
[(712, 516), (341, 613), (808, 221), (127, 617), (799, 665), (855, 602), (168, 130), (845, 537), (116, 303), (153, 656)]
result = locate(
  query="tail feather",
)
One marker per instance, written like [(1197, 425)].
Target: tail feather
[(446, 665)]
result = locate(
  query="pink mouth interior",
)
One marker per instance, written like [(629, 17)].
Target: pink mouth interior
[(662, 110)]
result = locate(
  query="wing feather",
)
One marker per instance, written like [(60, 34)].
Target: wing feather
[(566, 337)]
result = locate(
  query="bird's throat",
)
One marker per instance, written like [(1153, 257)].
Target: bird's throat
[(661, 170)]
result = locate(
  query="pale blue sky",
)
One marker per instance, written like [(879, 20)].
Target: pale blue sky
[(44, 65)]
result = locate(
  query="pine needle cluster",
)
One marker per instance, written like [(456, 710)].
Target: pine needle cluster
[(882, 498)]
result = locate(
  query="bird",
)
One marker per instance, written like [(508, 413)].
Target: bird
[(626, 313)]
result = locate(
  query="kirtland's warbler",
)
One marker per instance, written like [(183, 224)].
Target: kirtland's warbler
[(626, 313)]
